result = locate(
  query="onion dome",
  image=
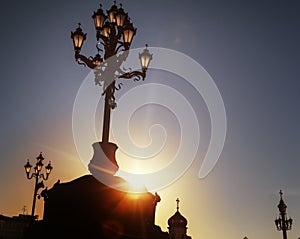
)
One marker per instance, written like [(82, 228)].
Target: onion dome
[(177, 220)]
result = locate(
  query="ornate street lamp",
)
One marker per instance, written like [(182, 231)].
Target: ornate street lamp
[(78, 38), (145, 58), (114, 34), (282, 223), (37, 174)]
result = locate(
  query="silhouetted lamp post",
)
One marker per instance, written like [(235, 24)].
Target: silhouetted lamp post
[(36, 174), (282, 223), (114, 34)]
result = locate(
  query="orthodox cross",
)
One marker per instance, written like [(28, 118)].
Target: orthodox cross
[(177, 201)]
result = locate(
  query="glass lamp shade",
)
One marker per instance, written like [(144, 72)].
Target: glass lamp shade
[(35, 170), (78, 38), (27, 167), (120, 17), (48, 168), (39, 166), (145, 58), (99, 18), (106, 30), (111, 13), (128, 32)]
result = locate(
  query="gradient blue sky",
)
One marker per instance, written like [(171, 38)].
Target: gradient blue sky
[(251, 50)]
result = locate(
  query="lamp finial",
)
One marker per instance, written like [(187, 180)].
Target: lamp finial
[(280, 193)]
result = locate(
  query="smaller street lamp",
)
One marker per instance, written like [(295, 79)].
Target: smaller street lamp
[(37, 174), (145, 58), (78, 38), (282, 223)]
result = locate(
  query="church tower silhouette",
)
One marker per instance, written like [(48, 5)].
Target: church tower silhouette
[(178, 225)]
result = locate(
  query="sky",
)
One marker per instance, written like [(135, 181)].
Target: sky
[(249, 48)]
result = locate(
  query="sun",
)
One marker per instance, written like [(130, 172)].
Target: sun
[(137, 187), (136, 183)]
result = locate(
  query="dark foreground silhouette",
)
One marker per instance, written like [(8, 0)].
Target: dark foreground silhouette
[(87, 208)]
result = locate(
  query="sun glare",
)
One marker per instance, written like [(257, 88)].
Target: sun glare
[(137, 185)]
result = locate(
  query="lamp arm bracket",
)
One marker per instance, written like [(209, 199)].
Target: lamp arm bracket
[(118, 48), (98, 48), (119, 87), (103, 38), (43, 176), (83, 60), (136, 75), (32, 175)]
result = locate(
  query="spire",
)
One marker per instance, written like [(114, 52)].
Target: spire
[(177, 201), (177, 220)]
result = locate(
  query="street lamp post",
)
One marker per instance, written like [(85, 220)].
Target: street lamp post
[(282, 223), (114, 34), (36, 175)]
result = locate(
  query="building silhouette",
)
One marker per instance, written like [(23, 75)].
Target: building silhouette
[(87, 208), (14, 227), (178, 225)]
